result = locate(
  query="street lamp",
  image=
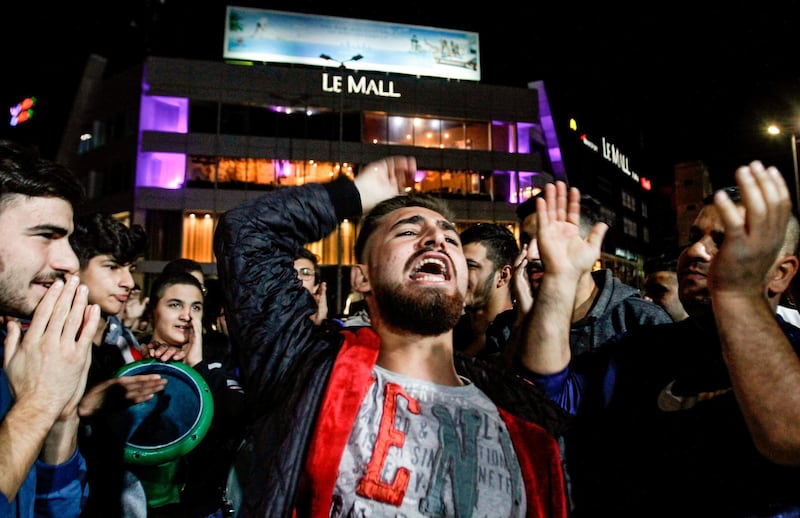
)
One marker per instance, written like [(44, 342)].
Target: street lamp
[(774, 129), (339, 249), (341, 99)]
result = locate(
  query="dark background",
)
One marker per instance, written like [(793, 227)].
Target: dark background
[(671, 82)]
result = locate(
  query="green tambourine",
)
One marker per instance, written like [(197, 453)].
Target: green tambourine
[(173, 422)]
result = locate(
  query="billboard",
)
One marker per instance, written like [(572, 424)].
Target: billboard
[(276, 36)]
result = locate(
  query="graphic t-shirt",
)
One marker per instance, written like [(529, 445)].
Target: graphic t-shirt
[(422, 449)]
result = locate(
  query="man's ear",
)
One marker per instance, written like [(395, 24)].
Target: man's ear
[(782, 274), (359, 282), (506, 274)]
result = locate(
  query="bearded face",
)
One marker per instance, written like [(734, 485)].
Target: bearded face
[(417, 273), (30, 264), (480, 294), (422, 310), (705, 236)]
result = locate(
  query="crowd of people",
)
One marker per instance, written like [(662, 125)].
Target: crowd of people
[(487, 376)]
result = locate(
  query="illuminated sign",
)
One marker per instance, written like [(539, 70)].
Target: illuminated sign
[(609, 152), (22, 112), (618, 158), (362, 85), (275, 36)]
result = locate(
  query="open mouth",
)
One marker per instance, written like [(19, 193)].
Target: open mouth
[(431, 269)]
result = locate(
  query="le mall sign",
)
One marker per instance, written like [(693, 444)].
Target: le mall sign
[(358, 85), (611, 153)]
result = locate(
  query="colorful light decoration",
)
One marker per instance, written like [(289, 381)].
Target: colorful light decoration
[(22, 111)]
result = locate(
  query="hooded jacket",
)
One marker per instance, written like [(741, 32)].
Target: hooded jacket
[(617, 308)]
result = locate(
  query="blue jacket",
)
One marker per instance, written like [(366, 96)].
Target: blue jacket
[(58, 491)]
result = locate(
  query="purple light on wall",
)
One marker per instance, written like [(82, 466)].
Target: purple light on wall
[(167, 114), (555, 154), (283, 168), (524, 137), (549, 129), (164, 114), (513, 188), (165, 170)]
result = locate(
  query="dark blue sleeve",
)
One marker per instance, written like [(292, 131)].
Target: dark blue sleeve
[(564, 388), (589, 380), (62, 490)]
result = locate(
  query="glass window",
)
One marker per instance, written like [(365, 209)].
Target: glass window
[(202, 117), (628, 201), (401, 131), (453, 134), (629, 226), (235, 120), (476, 135), (376, 128), (503, 137)]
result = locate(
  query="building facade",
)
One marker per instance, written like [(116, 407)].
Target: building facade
[(173, 143)]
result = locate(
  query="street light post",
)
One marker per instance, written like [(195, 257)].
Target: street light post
[(776, 130), (342, 68), (339, 246)]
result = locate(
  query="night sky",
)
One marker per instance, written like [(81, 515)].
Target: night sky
[(672, 82)]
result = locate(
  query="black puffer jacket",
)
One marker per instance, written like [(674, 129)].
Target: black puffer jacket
[(267, 310), (285, 361)]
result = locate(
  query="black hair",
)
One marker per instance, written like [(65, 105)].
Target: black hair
[(98, 233), (501, 245), (791, 241), (182, 264), (374, 217), (305, 253), (24, 171), (591, 213), (527, 207), (590, 208), (667, 261), (164, 281), (733, 193)]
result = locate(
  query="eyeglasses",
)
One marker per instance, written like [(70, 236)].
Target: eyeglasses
[(306, 273)]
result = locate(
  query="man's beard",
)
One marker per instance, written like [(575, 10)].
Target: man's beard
[(13, 301), (481, 294), (696, 299), (14, 305), (698, 307), (429, 312)]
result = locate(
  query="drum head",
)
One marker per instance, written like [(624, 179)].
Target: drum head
[(173, 422)]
